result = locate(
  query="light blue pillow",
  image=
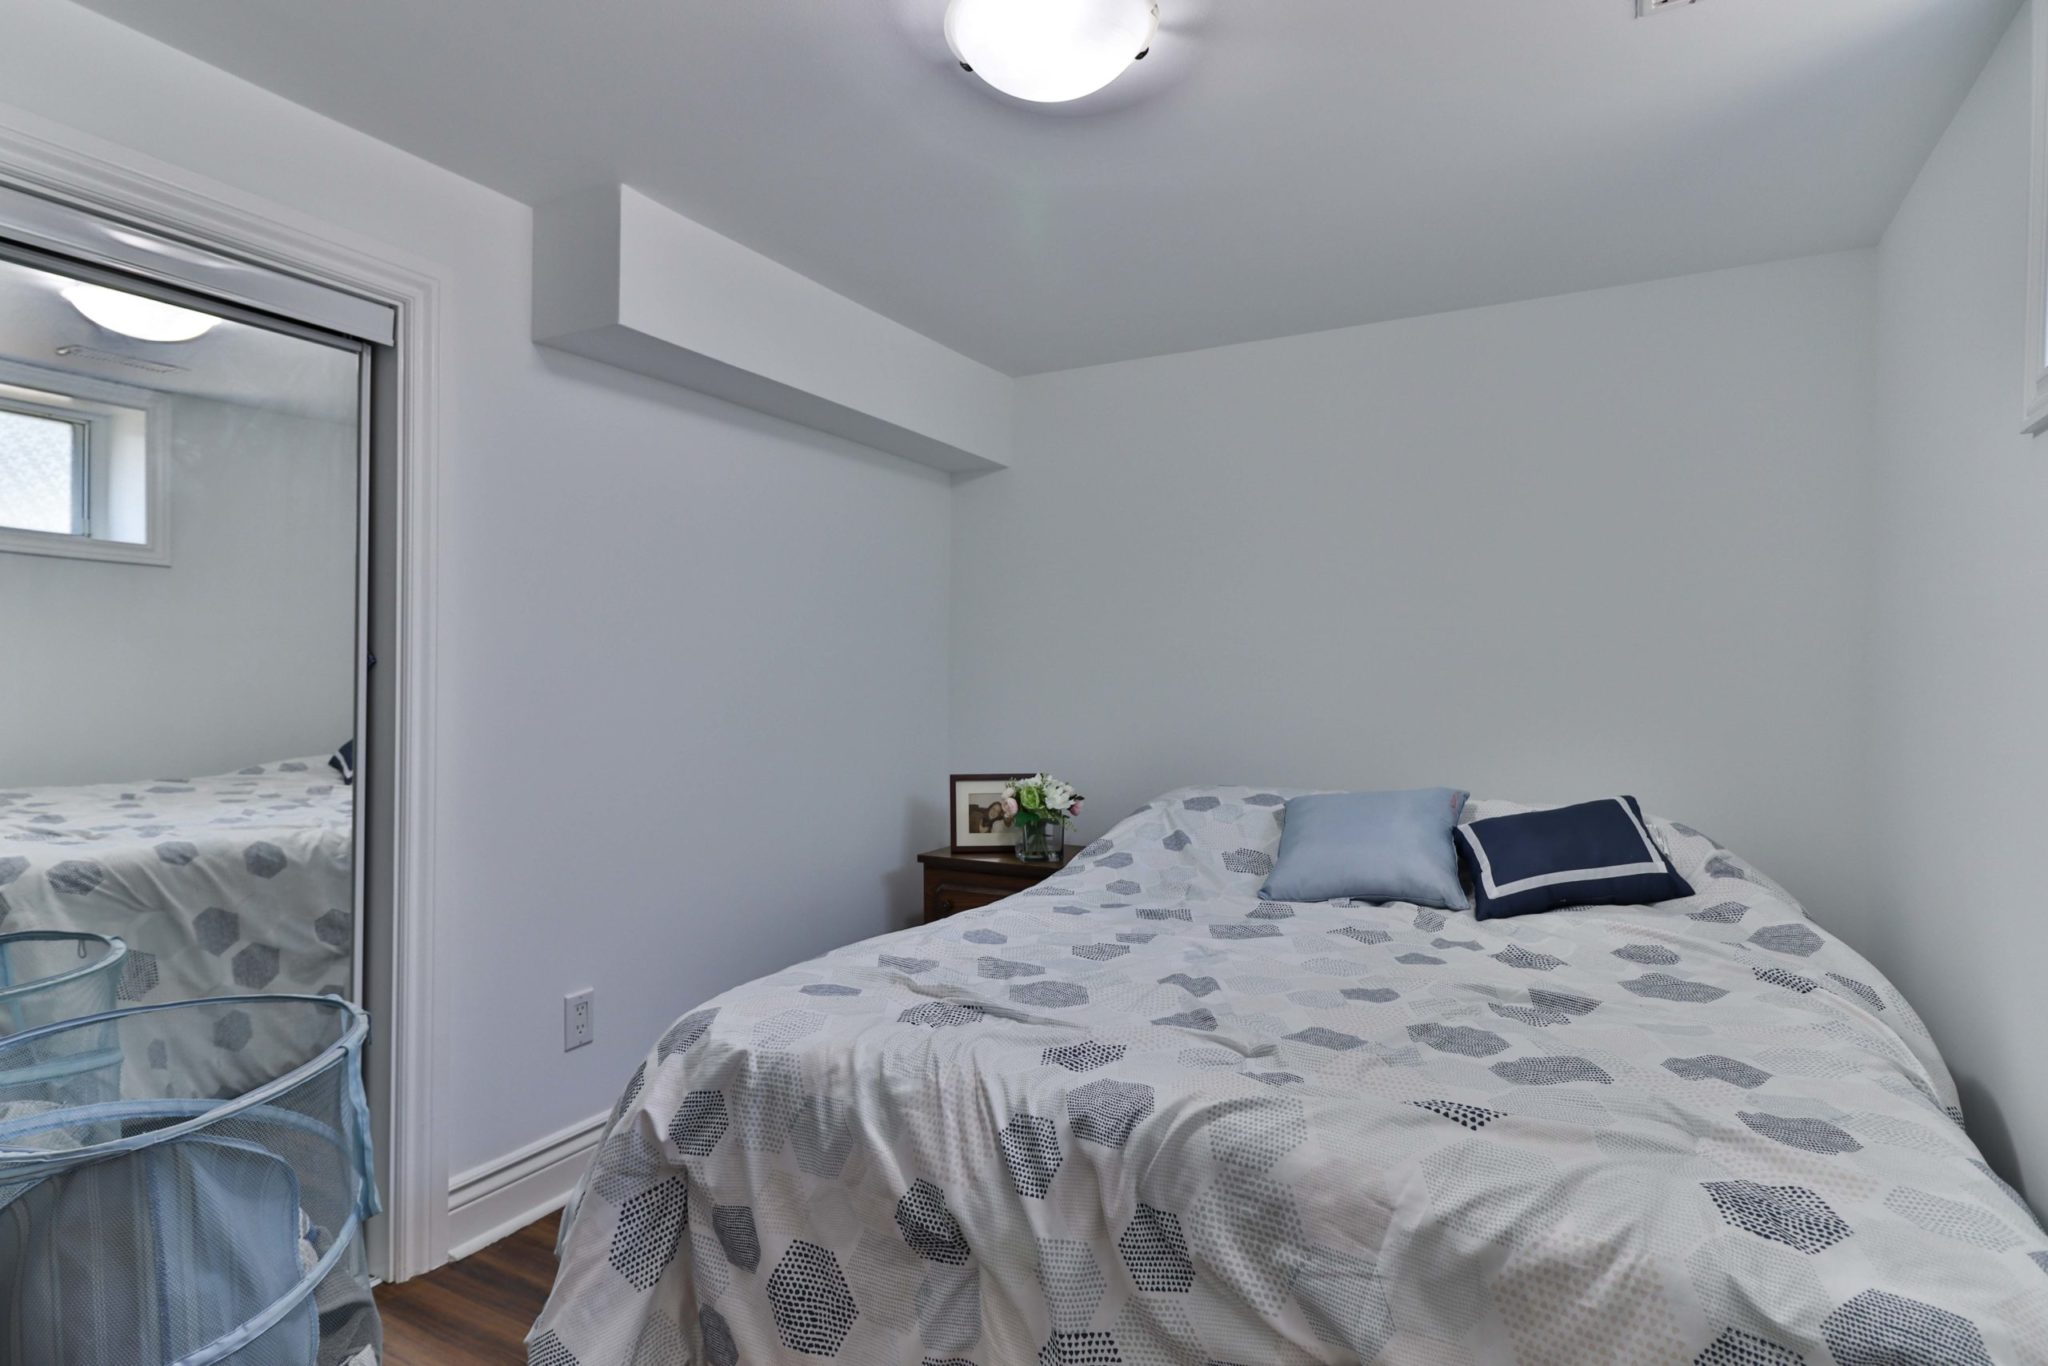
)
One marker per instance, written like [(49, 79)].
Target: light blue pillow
[(1371, 846)]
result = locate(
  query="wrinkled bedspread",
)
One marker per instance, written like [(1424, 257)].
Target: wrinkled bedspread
[(1136, 1115), (221, 885)]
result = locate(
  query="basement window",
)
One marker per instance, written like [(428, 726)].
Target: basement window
[(79, 474), (44, 460)]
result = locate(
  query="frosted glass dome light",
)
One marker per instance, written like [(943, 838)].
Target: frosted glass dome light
[(134, 316), (1050, 51)]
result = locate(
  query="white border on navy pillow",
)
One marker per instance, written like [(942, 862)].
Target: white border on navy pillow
[(1529, 884)]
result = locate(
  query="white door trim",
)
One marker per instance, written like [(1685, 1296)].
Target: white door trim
[(45, 158)]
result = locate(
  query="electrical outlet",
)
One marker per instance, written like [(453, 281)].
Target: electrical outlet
[(579, 1018)]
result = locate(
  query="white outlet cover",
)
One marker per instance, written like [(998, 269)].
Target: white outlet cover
[(579, 1018)]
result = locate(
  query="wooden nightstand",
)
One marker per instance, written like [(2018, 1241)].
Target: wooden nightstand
[(961, 882)]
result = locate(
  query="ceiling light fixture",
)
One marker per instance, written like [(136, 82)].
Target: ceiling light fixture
[(1050, 51), (134, 316)]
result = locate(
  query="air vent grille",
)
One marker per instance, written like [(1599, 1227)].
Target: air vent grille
[(94, 353)]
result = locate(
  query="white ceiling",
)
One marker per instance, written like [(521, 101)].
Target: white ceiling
[(235, 362), (1276, 166)]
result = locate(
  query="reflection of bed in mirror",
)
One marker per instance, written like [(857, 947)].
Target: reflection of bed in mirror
[(236, 883)]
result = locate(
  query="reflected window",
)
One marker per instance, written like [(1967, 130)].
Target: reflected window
[(43, 468), (78, 469)]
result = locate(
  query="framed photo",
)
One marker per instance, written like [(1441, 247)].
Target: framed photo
[(979, 824)]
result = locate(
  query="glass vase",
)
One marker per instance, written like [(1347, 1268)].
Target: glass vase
[(1043, 842)]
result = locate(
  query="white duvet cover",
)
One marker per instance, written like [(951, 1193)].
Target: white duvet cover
[(235, 883), (1136, 1115)]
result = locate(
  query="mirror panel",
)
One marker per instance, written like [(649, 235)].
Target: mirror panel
[(180, 497)]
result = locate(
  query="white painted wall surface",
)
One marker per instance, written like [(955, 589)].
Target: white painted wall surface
[(238, 652), (1554, 550), (1959, 662), (622, 279), (778, 323), (692, 660)]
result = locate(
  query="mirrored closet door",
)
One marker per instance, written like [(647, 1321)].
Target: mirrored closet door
[(181, 490)]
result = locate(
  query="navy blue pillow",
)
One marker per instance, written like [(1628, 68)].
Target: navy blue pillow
[(1593, 854)]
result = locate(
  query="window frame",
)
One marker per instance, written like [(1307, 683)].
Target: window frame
[(98, 407)]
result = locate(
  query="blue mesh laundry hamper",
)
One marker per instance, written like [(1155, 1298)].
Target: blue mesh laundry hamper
[(186, 1184), (51, 975)]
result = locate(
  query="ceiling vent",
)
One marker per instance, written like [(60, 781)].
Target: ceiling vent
[(1646, 8), (94, 353)]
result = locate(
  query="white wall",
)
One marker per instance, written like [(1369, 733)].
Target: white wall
[(237, 652), (692, 660), (622, 279), (1960, 657), (1611, 541)]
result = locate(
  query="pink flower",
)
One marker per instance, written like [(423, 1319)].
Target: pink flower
[(1010, 807), (1075, 809)]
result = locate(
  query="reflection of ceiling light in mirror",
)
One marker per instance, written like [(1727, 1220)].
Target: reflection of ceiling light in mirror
[(1050, 51), (134, 316)]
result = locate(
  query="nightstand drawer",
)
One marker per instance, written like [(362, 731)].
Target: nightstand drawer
[(948, 893), (968, 881)]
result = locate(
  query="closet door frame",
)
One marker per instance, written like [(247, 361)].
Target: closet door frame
[(397, 858)]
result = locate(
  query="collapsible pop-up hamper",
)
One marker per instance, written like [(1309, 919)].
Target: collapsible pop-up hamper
[(51, 975), (186, 1184)]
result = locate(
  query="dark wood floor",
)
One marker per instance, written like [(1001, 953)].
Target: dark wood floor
[(474, 1312)]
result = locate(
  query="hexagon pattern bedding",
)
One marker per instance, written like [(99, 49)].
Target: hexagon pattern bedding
[(221, 885), (1137, 1115)]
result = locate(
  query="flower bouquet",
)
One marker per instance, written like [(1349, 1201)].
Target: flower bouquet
[(1040, 807)]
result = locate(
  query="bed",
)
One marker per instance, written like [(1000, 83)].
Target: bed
[(1137, 1115), (230, 884)]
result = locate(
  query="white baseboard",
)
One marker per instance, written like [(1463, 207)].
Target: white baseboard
[(503, 1196)]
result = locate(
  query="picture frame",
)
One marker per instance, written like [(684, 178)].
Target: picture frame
[(973, 830)]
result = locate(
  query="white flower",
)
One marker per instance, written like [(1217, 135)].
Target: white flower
[(1042, 793)]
